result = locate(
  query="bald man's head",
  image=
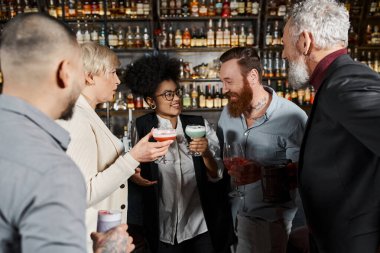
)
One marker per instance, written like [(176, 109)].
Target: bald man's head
[(31, 42)]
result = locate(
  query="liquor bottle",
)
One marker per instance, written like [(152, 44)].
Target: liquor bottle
[(234, 37), (268, 36), (368, 34), (218, 7), (255, 8), (201, 98), (94, 34), (226, 34), (146, 37), (185, 8), (370, 61), (164, 8), (186, 38), (181, 69), (129, 43), (242, 36), (202, 39), (312, 94), (250, 37), (138, 38), (356, 9), (52, 10), (375, 36), (270, 65), (219, 35), (372, 8), (130, 101), (186, 99), (272, 8), (86, 32), (102, 12), (223, 98), (120, 103), (283, 70), (114, 9), (178, 38), (276, 38), (281, 11), (203, 9), (194, 37), (133, 9), (217, 98), (138, 101), (294, 95), (241, 7), (300, 96), (248, 8), (127, 8), (79, 33), (170, 42), (226, 11), (72, 9), (126, 140), (146, 8), (210, 35), (172, 9), (140, 8), (121, 13), (277, 65), (194, 96), (280, 88), (102, 35), (120, 37), (79, 9), (194, 8), (377, 62), (19, 8), (287, 94), (209, 98), (163, 37), (211, 12), (234, 8), (112, 38), (353, 37), (58, 6), (178, 8)]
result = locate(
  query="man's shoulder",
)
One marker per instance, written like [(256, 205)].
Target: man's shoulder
[(288, 107)]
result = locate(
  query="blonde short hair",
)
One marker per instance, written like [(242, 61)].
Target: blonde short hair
[(98, 59)]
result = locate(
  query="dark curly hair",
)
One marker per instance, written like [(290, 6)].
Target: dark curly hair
[(145, 75)]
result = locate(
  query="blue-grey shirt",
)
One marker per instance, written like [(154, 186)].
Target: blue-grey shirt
[(273, 138), (42, 192)]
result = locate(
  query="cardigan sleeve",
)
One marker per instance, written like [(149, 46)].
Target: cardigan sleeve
[(83, 149)]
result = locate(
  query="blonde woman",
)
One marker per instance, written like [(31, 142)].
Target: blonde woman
[(97, 152)]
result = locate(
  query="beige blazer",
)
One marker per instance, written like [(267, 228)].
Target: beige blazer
[(98, 154)]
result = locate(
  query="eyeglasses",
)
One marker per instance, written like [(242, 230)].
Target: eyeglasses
[(169, 94)]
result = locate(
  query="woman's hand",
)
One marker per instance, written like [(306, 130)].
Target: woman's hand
[(139, 180), (145, 151), (199, 145)]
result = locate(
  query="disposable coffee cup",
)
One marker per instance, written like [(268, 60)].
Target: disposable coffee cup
[(108, 219)]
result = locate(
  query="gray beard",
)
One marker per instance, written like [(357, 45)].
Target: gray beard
[(298, 74)]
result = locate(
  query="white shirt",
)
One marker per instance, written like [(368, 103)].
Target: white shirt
[(180, 211)]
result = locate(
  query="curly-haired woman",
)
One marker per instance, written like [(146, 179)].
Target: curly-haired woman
[(187, 210)]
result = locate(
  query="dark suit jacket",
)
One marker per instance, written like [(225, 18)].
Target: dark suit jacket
[(340, 161), (214, 196)]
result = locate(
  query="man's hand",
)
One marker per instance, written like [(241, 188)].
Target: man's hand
[(248, 172), (139, 180), (145, 151), (115, 240)]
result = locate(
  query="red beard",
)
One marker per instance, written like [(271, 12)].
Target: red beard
[(242, 103)]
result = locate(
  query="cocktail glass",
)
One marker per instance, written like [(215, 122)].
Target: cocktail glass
[(195, 131)]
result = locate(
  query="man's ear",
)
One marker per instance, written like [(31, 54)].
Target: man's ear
[(62, 74), (305, 43), (253, 76)]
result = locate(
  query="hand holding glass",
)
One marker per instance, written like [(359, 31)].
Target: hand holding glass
[(163, 134), (195, 131), (233, 158)]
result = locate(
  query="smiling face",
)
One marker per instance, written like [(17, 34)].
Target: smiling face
[(167, 109), (236, 87), (105, 85)]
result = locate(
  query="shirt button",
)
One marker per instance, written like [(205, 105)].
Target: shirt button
[(122, 186), (122, 206), (246, 134)]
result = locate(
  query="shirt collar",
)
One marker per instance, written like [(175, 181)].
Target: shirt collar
[(319, 72), (21, 107)]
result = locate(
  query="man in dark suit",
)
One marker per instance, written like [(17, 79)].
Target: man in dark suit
[(339, 162)]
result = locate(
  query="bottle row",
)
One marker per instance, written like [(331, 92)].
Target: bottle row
[(374, 9), (79, 9), (118, 38), (369, 57), (301, 97), (209, 8), (197, 37)]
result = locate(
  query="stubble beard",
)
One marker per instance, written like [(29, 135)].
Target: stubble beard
[(243, 103)]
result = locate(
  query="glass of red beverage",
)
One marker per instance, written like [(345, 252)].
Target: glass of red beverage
[(233, 158), (163, 134)]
